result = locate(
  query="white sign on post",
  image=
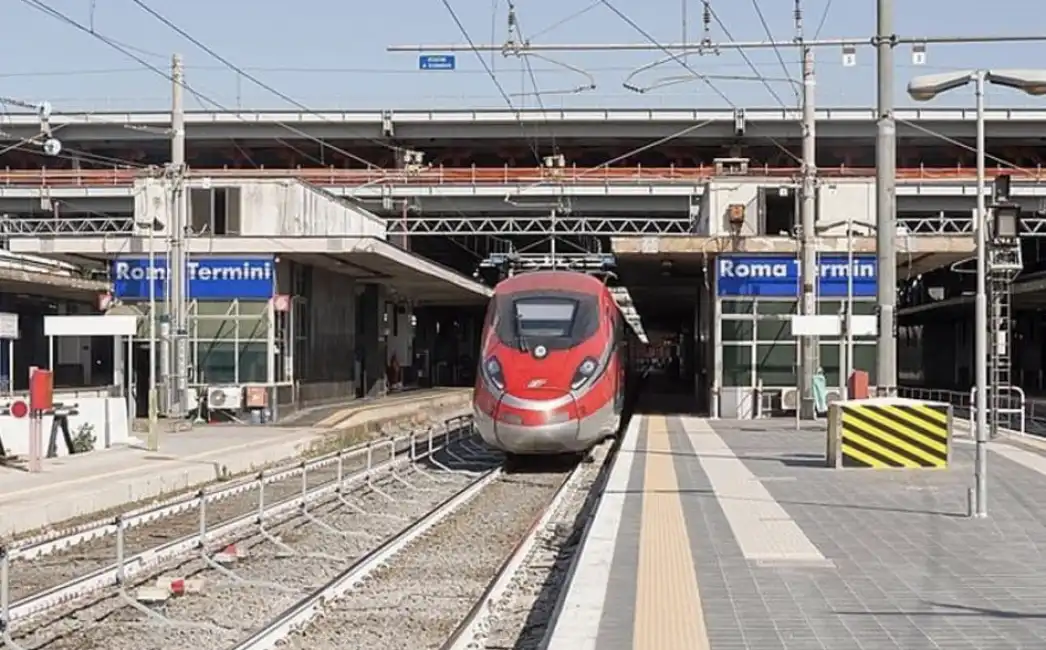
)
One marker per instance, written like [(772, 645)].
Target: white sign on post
[(9, 326)]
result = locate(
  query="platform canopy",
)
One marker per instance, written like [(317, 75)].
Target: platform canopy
[(916, 254), (360, 258)]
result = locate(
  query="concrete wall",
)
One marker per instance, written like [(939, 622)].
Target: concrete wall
[(838, 199), (272, 207), (104, 417), (291, 208)]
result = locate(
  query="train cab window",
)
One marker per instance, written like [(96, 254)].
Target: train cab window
[(545, 317), (557, 321)]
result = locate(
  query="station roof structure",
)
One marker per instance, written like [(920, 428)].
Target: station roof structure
[(360, 258), (916, 254)]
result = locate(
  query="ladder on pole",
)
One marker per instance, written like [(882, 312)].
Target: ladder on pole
[(1003, 267)]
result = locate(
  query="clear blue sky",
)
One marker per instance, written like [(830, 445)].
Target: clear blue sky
[(332, 53)]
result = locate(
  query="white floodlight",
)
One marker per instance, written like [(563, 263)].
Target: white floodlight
[(926, 87), (1032, 82)]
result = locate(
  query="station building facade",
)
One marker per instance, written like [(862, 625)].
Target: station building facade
[(755, 354), (301, 331)]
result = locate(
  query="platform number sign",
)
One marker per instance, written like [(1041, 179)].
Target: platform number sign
[(849, 56)]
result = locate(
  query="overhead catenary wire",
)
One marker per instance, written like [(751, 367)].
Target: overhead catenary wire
[(770, 35), (824, 19), (255, 80), (494, 78), (41, 6), (744, 56), (681, 60)]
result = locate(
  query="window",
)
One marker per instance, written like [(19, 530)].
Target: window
[(253, 363), (545, 317), (217, 362), (775, 364), (737, 330), (737, 365)]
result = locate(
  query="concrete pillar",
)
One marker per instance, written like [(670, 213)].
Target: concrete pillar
[(371, 347)]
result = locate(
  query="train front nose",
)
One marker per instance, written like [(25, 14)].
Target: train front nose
[(543, 422)]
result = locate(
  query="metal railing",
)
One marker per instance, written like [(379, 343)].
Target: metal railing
[(504, 175), (1017, 414)]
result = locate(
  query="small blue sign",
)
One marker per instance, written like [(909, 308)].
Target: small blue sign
[(209, 278), (437, 62), (778, 275)]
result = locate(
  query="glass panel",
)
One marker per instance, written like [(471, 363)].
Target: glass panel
[(738, 306), (865, 307), (217, 362), (777, 306), (216, 328), (215, 308), (254, 307), (865, 359), (737, 330), (775, 330), (544, 317), (829, 307), (775, 364), (830, 363), (253, 366), (253, 329), (737, 365)]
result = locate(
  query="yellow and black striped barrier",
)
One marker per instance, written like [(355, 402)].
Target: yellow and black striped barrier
[(889, 433)]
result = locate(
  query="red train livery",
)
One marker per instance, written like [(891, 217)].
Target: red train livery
[(552, 365)]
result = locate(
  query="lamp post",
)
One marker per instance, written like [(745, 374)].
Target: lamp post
[(925, 88), (153, 440)]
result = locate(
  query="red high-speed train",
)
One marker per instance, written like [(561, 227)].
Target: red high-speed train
[(553, 362)]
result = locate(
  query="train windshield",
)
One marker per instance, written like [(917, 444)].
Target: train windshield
[(556, 320), (544, 317)]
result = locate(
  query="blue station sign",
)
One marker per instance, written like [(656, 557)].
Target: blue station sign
[(437, 62), (209, 278), (778, 276)]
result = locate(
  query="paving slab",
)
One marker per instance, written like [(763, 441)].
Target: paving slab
[(81, 485), (787, 554), (909, 569)]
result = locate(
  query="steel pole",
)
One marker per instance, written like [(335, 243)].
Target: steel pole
[(981, 312), (849, 367), (808, 248), (154, 429), (179, 269), (885, 199)]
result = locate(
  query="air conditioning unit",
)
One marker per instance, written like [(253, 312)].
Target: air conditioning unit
[(225, 398), (789, 399)]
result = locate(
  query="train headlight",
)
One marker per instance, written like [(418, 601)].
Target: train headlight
[(584, 372), (492, 368)]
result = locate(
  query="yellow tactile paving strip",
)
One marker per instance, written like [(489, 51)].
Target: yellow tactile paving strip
[(668, 614)]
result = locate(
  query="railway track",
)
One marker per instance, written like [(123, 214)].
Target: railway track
[(450, 586), (33, 585), (45, 564), (445, 552)]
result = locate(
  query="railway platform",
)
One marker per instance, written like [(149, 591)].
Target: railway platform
[(730, 535), (79, 486)]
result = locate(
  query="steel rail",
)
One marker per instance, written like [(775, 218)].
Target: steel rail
[(301, 613), (46, 543), (133, 565), (471, 628)]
